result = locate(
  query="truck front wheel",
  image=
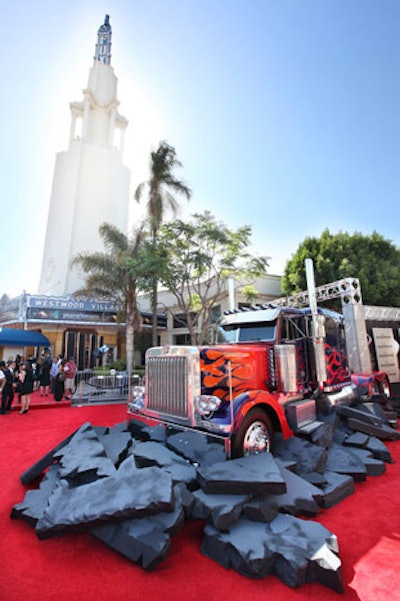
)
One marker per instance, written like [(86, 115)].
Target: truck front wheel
[(254, 435), (381, 387)]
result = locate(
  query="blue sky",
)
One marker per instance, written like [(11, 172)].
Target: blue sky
[(284, 113)]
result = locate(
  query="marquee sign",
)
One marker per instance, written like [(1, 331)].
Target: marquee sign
[(71, 304)]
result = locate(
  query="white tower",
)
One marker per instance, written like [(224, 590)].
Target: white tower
[(90, 182)]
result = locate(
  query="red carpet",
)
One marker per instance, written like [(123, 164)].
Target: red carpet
[(43, 402), (367, 525)]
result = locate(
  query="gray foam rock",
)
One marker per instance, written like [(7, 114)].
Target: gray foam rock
[(374, 467), (196, 447), (300, 498), (221, 510), (360, 413), (379, 449), (343, 461), (356, 439), (143, 432), (143, 492), (120, 427), (335, 488), (370, 419), (342, 433), (127, 467), (146, 541), (83, 459), (143, 545), (154, 453), (100, 430), (383, 432), (31, 509), (323, 435), (255, 474), (308, 457), (375, 409), (143, 532), (315, 478), (35, 470), (185, 497), (297, 551), (116, 445), (262, 508)]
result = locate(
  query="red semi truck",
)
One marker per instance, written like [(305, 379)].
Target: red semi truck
[(270, 370)]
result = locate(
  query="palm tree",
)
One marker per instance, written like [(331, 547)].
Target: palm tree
[(118, 275), (161, 188)]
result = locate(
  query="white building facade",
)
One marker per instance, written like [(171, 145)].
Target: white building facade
[(91, 185)]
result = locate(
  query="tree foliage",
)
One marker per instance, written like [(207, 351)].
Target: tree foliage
[(196, 258), (372, 259), (119, 275), (162, 186)]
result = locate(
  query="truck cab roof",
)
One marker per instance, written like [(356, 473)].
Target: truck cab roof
[(270, 314)]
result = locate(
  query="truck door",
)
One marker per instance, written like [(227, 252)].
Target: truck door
[(294, 330), (335, 353)]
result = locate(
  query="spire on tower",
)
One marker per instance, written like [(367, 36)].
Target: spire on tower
[(103, 46)]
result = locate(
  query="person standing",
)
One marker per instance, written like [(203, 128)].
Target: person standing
[(26, 379), (2, 385), (35, 371), (8, 388), (70, 370), (44, 375), (53, 373), (17, 381), (59, 382), (18, 361)]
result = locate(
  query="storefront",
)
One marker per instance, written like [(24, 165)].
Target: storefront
[(87, 330)]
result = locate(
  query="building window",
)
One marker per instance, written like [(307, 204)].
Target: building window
[(215, 313), (182, 339), (180, 321)]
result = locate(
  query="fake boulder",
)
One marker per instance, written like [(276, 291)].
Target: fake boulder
[(145, 491), (297, 551), (147, 540), (255, 474), (132, 486)]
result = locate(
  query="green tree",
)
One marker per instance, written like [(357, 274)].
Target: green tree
[(250, 293), (118, 275), (372, 259), (195, 260), (161, 190)]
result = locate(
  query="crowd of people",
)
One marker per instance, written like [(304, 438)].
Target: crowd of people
[(20, 377)]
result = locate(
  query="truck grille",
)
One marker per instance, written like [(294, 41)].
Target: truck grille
[(167, 385)]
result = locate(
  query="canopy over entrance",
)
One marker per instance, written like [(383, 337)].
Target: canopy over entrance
[(13, 337)]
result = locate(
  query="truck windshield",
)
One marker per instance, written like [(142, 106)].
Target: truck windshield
[(247, 332)]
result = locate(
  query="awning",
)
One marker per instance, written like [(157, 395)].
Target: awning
[(12, 337)]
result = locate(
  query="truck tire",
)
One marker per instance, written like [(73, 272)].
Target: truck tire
[(255, 435), (381, 388)]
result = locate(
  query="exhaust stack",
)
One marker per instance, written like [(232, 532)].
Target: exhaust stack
[(318, 325)]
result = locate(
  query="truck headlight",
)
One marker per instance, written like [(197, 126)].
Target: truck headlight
[(136, 402), (206, 404), (137, 392)]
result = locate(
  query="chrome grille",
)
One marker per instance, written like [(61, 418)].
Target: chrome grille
[(167, 384)]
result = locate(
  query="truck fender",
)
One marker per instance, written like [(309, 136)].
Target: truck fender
[(261, 398), (374, 383)]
